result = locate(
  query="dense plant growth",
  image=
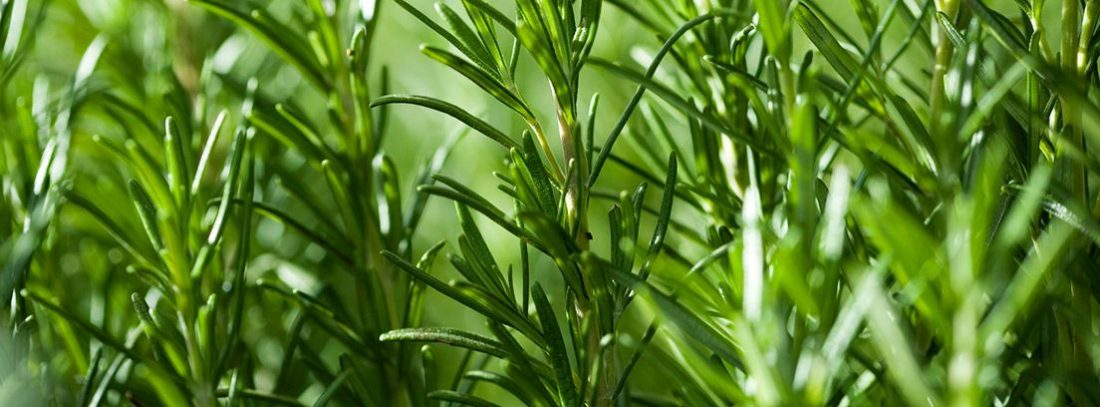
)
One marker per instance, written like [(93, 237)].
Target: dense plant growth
[(774, 202)]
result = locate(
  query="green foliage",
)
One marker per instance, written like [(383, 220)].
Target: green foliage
[(807, 203)]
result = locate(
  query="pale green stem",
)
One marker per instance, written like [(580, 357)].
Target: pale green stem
[(1071, 20), (944, 50)]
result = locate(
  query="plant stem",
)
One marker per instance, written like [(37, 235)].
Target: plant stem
[(944, 51), (1071, 20)]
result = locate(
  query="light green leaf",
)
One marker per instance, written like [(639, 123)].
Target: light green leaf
[(482, 79), (567, 393), (460, 398), (451, 110), (449, 336), (290, 47)]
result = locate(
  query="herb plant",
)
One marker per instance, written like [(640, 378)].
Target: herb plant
[(709, 202)]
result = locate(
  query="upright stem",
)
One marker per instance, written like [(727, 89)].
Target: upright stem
[(944, 50), (1071, 20), (1088, 26), (576, 218), (576, 198), (555, 169)]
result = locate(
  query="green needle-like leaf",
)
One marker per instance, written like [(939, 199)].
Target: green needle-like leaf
[(482, 79), (148, 214), (456, 112), (684, 318), (567, 392), (453, 337), (460, 398), (659, 231), (293, 49)]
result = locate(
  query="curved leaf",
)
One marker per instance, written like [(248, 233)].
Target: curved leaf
[(451, 110), (449, 336)]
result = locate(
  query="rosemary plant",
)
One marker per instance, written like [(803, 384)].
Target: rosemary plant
[(697, 202)]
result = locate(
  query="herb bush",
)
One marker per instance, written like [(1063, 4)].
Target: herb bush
[(774, 202)]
